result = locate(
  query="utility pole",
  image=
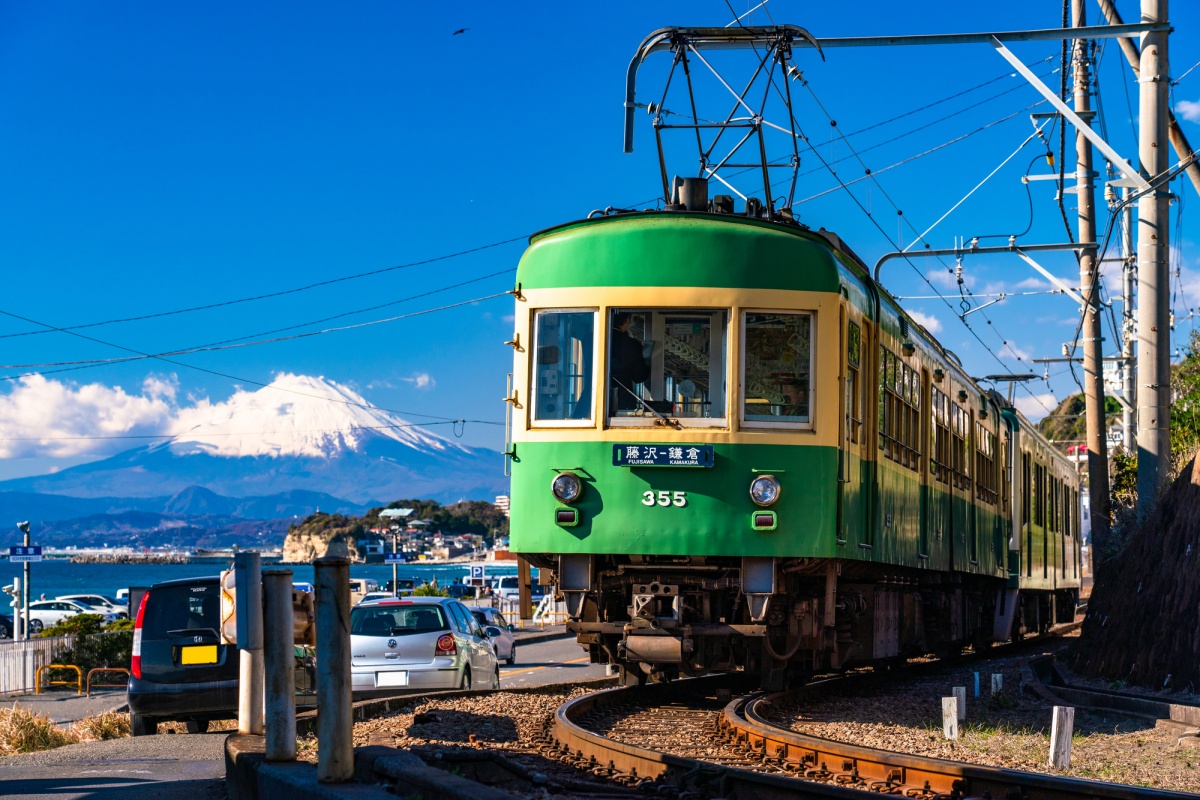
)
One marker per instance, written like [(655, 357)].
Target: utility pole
[(1154, 348), (1128, 270), (1089, 283), (24, 528)]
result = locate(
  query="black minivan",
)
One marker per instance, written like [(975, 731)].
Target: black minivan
[(181, 670)]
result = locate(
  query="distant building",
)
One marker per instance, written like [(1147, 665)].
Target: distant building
[(502, 503)]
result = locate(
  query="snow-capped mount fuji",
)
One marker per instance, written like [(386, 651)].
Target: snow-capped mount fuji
[(298, 433)]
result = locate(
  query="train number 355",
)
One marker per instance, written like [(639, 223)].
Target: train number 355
[(664, 499)]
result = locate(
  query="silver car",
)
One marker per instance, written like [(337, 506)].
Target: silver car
[(504, 644), (417, 644)]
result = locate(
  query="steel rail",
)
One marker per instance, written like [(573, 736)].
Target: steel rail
[(821, 768), (873, 770)]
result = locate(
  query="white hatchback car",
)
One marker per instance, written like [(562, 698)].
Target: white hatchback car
[(504, 644), (102, 604), (45, 613), (416, 644)]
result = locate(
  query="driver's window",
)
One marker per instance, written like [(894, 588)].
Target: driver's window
[(667, 364)]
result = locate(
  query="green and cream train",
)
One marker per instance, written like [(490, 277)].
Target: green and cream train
[(734, 450)]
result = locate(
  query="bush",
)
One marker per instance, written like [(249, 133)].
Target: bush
[(114, 648), (430, 591), (112, 725), (24, 731)]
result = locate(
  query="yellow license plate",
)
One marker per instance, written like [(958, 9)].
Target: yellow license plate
[(204, 654)]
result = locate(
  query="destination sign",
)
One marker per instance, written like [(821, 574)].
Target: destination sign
[(21, 553), (394, 558), (660, 455)]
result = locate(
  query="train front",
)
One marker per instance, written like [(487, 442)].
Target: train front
[(675, 431)]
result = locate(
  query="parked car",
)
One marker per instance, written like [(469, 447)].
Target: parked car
[(383, 595), (102, 604), (181, 671), (45, 613), (504, 645), (6, 626), (460, 591), (509, 588), (418, 643)]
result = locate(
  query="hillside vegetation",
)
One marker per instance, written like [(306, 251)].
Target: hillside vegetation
[(323, 534)]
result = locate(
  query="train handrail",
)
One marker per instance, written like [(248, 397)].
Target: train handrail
[(37, 678)]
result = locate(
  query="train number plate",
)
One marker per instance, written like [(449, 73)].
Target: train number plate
[(677, 499), (663, 455)]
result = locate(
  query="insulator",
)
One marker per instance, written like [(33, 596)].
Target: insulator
[(958, 271)]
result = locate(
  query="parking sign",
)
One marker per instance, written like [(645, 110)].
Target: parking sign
[(477, 572)]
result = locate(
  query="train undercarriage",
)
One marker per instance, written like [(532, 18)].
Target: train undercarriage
[(662, 617)]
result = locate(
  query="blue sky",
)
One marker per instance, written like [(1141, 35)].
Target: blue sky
[(157, 157)]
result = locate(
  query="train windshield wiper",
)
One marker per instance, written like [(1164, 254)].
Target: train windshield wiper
[(670, 423)]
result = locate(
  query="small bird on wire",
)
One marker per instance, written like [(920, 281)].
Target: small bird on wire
[(460, 30)]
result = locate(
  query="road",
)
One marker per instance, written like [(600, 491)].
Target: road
[(171, 766)]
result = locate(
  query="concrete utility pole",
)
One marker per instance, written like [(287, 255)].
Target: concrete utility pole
[(1154, 342), (1179, 141), (1089, 283), (1128, 271)]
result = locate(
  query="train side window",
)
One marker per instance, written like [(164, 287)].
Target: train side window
[(564, 358), (987, 483), (853, 382), (777, 368)]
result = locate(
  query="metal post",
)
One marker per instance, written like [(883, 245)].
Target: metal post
[(25, 584), (1128, 270), (1154, 345), (395, 566), (279, 664), (335, 748), (248, 582), (1089, 283)]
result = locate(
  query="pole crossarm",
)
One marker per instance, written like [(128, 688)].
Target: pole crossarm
[(1039, 35), (1048, 276), (967, 251), (1081, 126)]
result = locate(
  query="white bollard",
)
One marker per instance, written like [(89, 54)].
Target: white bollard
[(950, 717), (997, 683), (248, 580), (977, 684), (1061, 728), (960, 693)]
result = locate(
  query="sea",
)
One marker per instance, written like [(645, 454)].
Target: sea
[(56, 577)]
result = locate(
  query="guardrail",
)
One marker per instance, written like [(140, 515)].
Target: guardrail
[(20, 660), (78, 683), (92, 672)]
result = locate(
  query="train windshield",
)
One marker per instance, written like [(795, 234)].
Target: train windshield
[(667, 362), (778, 369), (564, 358)]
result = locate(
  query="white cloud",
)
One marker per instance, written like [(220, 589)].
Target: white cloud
[(926, 321), (1036, 406), (942, 278), (1189, 110), (41, 417), (421, 380), (1032, 285), (1010, 350)]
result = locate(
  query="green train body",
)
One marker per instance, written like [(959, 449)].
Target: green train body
[(912, 511)]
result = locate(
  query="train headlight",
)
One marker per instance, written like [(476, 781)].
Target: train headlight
[(764, 490), (567, 487)]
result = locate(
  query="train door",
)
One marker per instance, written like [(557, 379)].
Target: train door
[(973, 508), (929, 445), (851, 498)]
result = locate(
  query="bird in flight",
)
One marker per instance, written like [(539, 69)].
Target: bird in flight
[(460, 30)]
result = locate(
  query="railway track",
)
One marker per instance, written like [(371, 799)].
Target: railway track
[(695, 739)]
